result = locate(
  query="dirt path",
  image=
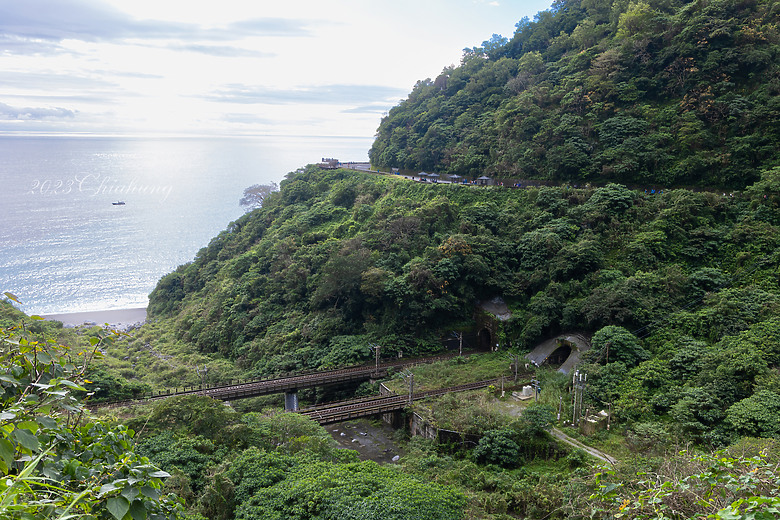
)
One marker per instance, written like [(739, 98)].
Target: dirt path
[(558, 434)]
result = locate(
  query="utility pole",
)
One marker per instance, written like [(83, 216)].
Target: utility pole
[(578, 385), (574, 398), (584, 383), (459, 336), (515, 362), (408, 376), (202, 376), (376, 349)]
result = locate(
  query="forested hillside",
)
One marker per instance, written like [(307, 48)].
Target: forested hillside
[(659, 92), (339, 259), (678, 289), (678, 286)]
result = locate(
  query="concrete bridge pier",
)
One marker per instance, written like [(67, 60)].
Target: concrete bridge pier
[(394, 419), (291, 401)]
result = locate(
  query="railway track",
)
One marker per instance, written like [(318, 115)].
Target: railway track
[(231, 392), (345, 410)]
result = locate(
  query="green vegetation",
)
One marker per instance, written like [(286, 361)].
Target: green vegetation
[(338, 259), (55, 460), (679, 290), (455, 371), (277, 465), (735, 484), (356, 491), (474, 412), (663, 93), (542, 487), (307, 284)]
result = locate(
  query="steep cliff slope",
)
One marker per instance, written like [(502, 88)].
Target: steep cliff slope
[(665, 93)]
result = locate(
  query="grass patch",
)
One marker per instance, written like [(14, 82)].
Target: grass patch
[(152, 355), (469, 412), (460, 371)]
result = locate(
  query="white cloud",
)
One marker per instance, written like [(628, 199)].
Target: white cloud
[(42, 25), (32, 113), (321, 94), (222, 51), (299, 66)]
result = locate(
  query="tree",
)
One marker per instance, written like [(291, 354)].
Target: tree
[(340, 279), (757, 415), (611, 200), (637, 20), (255, 195), (721, 486), (698, 413), (186, 455), (494, 45), (356, 491), (193, 414), (614, 343), (498, 447), (283, 431), (536, 420)]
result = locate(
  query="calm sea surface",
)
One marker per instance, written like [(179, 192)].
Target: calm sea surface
[(64, 247)]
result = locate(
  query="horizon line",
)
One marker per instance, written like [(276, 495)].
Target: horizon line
[(5, 133)]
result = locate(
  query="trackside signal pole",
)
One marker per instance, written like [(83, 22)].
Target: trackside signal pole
[(408, 376), (459, 336), (515, 362), (537, 389), (578, 385), (202, 376), (376, 349)]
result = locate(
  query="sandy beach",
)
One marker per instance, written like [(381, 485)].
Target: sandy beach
[(119, 318)]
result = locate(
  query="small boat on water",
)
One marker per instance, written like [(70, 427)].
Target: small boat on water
[(118, 203)]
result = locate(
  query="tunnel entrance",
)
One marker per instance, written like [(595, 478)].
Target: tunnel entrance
[(559, 355), (485, 340)]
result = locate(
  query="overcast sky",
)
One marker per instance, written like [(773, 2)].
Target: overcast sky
[(229, 67)]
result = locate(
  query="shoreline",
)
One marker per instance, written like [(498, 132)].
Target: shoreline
[(116, 318)]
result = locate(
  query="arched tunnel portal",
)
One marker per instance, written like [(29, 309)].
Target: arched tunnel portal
[(485, 340), (559, 355)]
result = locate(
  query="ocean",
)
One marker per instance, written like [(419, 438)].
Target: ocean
[(66, 247)]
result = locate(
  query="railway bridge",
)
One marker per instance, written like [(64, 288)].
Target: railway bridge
[(287, 385), (345, 410)]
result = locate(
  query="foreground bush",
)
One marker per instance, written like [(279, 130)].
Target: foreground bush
[(55, 461)]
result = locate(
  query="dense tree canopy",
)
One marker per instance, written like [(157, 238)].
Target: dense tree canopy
[(653, 93), (306, 284), (679, 288)]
